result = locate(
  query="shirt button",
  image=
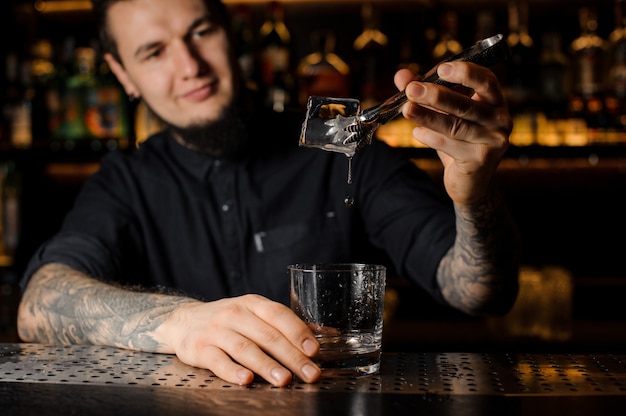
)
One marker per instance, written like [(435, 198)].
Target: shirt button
[(225, 207)]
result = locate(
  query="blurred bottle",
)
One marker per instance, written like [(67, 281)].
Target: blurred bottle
[(615, 97), (520, 84), (22, 111), (275, 58), (5, 259), (554, 77), (373, 81), (146, 123), (543, 309), (245, 44), (56, 92), (108, 118), (588, 52), (407, 57), (43, 72), (486, 27), (79, 97), (11, 96), (10, 190), (447, 44), (323, 72)]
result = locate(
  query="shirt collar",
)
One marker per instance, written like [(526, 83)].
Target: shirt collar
[(197, 164)]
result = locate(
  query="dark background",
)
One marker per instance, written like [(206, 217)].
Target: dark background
[(568, 202)]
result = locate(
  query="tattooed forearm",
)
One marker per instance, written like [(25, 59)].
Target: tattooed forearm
[(63, 306), (479, 273)]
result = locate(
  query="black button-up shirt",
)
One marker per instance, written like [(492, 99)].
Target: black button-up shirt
[(169, 216)]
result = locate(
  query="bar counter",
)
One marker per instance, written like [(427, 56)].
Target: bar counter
[(53, 380)]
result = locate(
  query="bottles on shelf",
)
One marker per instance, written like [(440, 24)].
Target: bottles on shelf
[(521, 72), (275, 58), (10, 223), (615, 93), (92, 102), (588, 53), (57, 99), (16, 105), (485, 24), (323, 72), (554, 77), (371, 73), (109, 118), (580, 99), (541, 89), (9, 93), (245, 43), (77, 98), (40, 74), (448, 43), (57, 84)]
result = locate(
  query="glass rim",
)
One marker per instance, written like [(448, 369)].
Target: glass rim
[(335, 267)]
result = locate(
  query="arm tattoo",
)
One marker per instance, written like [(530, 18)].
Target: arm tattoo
[(479, 273), (64, 306)]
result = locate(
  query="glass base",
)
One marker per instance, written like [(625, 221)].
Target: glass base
[(341, 364)]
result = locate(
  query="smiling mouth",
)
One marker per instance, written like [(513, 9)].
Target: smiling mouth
[(201, 93)]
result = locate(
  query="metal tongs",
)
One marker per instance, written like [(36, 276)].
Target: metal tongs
[(338, 124)]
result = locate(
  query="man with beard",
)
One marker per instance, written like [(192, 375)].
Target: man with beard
[(182, 246)]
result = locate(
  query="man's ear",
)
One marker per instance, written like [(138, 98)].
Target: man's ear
[(122, 76)]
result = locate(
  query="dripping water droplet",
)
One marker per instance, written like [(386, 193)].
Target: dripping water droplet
[(349, 200), (349, 170)]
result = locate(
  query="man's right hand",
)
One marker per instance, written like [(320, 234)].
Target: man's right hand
[(239, 337), (235, 338)]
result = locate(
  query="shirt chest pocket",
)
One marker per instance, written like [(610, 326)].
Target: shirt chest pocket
[(319, 241), (300, 237)]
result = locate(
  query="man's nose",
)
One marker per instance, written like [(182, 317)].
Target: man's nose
[(187, 61)]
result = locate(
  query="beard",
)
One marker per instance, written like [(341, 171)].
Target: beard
[(227, 136)]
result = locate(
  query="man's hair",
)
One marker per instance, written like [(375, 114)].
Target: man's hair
[(219, 14)]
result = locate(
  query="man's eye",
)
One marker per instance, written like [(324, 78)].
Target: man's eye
[(204, 31), (152, 54)]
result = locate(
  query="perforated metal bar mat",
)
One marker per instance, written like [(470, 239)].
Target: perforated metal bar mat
[(410, 373)]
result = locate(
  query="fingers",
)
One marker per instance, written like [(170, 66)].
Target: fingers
[(220, 363), (236, 338), (480, 79), (235, 358), (403, 77), (459, 127), (285, 322), (479, 119), (446, 102), (280, 333)]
